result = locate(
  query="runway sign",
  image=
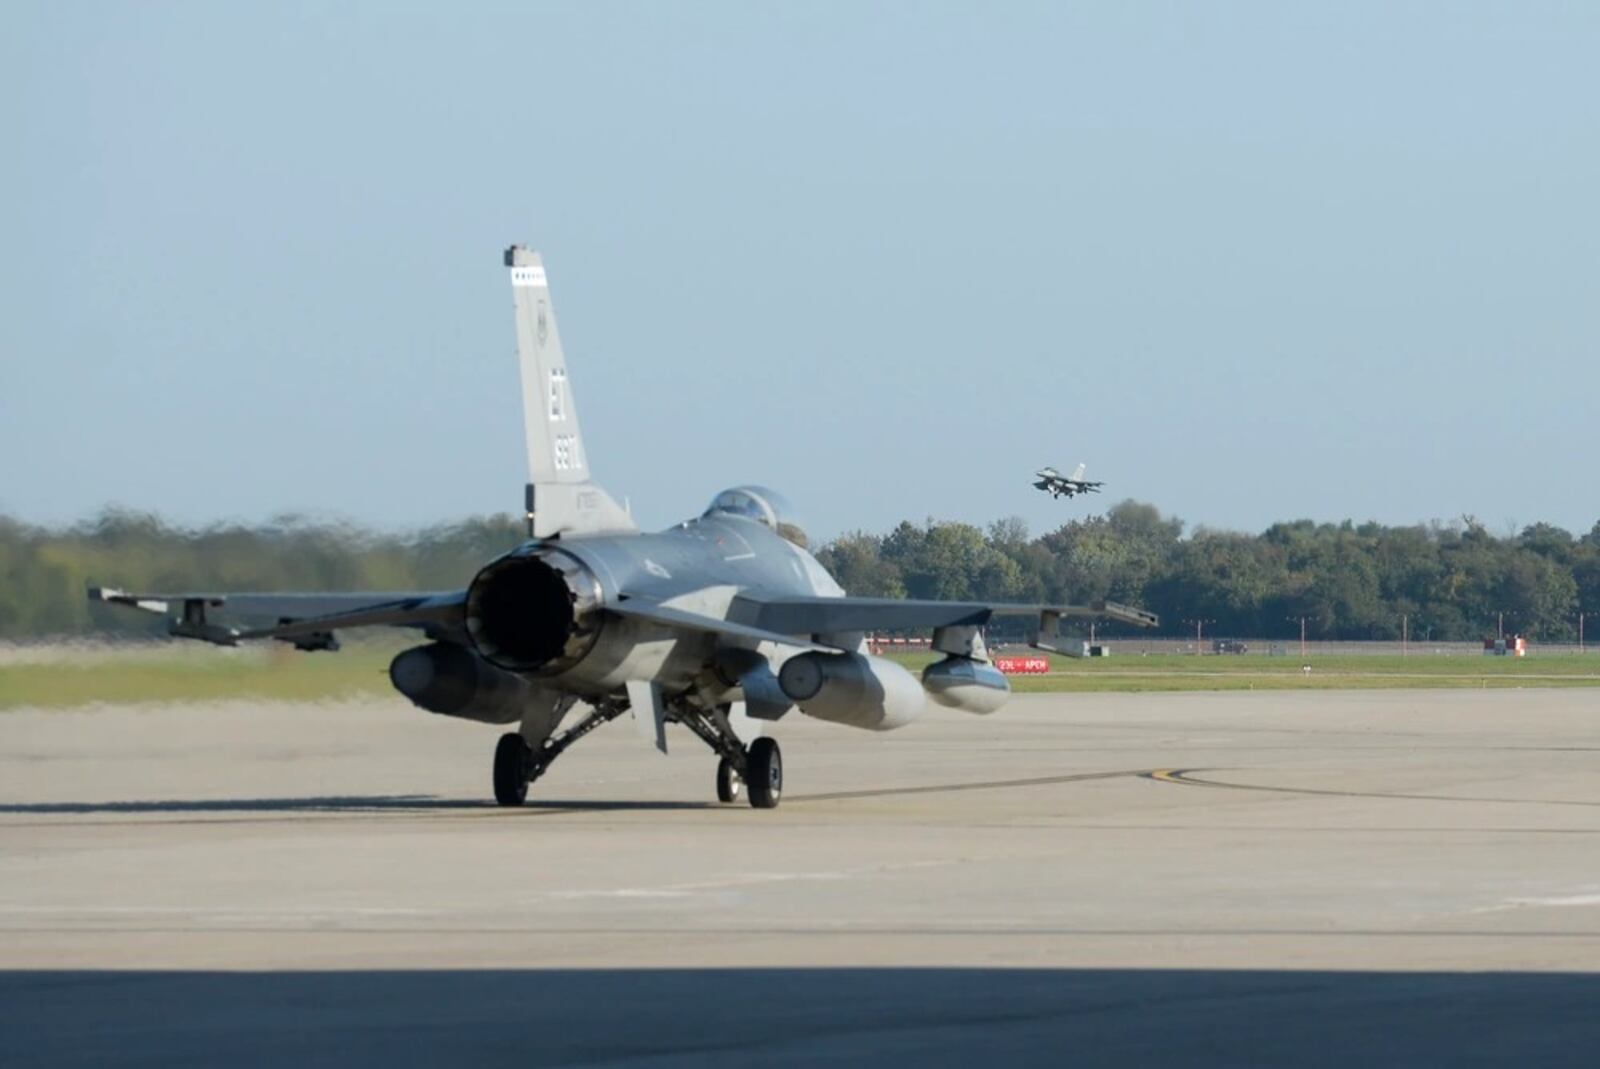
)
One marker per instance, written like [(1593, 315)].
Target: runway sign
[(1023, 666)]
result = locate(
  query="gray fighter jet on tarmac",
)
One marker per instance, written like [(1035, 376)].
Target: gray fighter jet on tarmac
[(723, 624)]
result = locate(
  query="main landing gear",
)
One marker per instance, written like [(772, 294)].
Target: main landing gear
[(513, 769), (729, 781), (516, 764), (764, 770), (755, 770)]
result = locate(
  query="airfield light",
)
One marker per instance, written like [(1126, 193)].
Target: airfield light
[(1199, 627)]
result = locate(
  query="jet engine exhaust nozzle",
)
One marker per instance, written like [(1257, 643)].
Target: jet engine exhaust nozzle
[(528, 612)]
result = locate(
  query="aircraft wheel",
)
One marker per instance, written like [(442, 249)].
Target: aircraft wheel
[(511, 759), (764, 773), (729, 782)]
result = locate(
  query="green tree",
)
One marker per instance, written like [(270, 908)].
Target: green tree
[(856, 561)]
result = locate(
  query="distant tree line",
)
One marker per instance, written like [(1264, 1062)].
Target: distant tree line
[(1349, 581), (44, 571)]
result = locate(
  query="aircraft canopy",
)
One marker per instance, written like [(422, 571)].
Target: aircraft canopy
[(762, 505)]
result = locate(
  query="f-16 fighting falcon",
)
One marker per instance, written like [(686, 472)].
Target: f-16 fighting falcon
[(723, 624), (1055, 484)]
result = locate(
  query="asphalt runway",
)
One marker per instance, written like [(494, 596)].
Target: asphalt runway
[(1386, 877)]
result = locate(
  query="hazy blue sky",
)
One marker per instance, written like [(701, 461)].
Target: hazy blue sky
[(1250, 261)]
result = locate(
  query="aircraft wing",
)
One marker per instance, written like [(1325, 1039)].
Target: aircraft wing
[(309, 620), (815, 616), (801, 621), (306, 620)]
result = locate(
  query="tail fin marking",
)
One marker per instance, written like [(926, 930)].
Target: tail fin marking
[(561, 498)]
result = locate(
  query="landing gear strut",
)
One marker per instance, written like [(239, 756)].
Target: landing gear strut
[(755, 771), (516, 764), (758, 768)]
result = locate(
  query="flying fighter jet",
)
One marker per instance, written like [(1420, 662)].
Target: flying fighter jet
[(1055, 484), (722, 624)]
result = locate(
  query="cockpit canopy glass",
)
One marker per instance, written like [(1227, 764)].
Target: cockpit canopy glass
[(762, 505)]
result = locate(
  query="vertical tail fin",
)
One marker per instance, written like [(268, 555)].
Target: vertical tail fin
[(1077, 474), (561, 499)]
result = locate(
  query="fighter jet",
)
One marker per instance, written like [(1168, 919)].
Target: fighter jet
[(723, 624), (1056, 484)]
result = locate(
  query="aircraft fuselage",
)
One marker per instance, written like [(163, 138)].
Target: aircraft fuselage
[(699, 566)]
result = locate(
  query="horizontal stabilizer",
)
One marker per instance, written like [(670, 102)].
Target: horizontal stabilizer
[(1050, 623), (1127, 614), (306, 619)]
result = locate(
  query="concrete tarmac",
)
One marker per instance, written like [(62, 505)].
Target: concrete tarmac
[(1393, 877)]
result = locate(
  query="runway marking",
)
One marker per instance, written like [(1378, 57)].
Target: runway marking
[(986, 785), (297, 912), (90, 925), (743, 880), (1557, 901), (427, 808), (700, 887), (1186, 777), (422, 807)]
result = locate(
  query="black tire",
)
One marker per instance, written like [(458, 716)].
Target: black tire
[(764, 773), (729, 782), (511, 759)]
